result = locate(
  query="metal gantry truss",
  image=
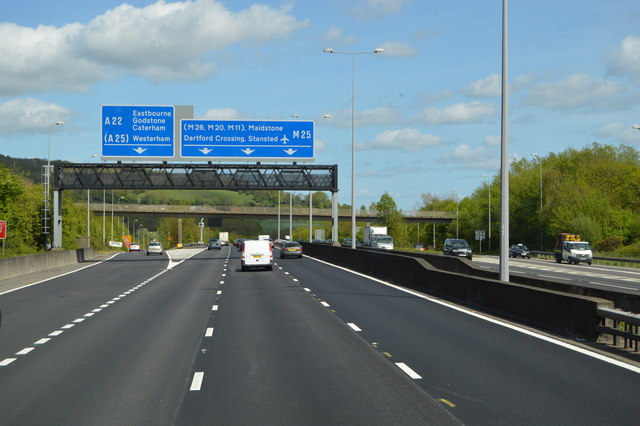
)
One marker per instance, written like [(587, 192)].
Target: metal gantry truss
[(196, 176), (235, 177)]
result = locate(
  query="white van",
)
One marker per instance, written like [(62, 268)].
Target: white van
[(257, 254)]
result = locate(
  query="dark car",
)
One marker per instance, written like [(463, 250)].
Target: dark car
[(457, 247), (418, 246), (519, 250), (214, 243), (291, 248)]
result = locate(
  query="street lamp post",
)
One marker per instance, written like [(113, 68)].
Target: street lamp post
[(47, 183), (455, 195), (540, 213), (489, 232), (353, 134)]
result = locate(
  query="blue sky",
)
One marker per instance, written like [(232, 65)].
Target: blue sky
[(427, 109)]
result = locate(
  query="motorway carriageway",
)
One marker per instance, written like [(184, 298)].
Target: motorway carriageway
[(145, 340)]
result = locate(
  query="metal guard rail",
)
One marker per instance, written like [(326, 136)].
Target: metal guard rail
[(611, 260), (617, 323)]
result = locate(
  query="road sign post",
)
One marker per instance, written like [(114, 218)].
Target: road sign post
[(247, 140), (3, 233), (480, 234)]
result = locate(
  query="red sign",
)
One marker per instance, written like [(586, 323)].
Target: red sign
[(3, 229)]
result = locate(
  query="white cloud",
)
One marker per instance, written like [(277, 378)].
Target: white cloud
[(161, 41), (30, 115), (473, 112), (364, 118), (368, 9), (335, 35), (619, 132), (408, 140), (397, 48), (222, 114), (490, 86), (576, 91), (492, 140), (625, 60), (481, 158)]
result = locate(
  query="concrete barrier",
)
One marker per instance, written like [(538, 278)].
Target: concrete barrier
[(624, 300), (20, 265), (568, 314)]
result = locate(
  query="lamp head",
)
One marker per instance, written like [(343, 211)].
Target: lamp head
[(328, 50), (58, 123), (378, 50)]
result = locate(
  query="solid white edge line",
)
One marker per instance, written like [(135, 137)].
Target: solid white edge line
[(404, 367), (209, 332), (355, 327), (57, 276), (196, 383), (495, 321)]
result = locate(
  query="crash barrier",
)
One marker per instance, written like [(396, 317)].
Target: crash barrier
[(20, 265), (563, 313), (627, 301), (615, 324), (612, 261)]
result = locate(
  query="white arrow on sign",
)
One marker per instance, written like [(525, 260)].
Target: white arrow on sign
[(290, 151), (140, 150), (247, 151), (205, 151)]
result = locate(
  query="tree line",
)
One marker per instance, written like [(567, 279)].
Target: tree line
[(593, 191)]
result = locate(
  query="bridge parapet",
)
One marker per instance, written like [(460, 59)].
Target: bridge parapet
[(169, 210)]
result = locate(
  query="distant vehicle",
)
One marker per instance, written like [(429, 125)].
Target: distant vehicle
[(238, 242), (519, 250), (264, 237), (419, 246), (256, 254), (570, 249), (154, 247), (134, 247), (376, 237), (224, 238), (346, 242), (214, 243), (291, 248), (457, 247)]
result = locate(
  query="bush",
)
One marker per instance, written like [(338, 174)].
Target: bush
[(608, 244)]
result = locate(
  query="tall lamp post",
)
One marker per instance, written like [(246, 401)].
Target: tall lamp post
[(540, 213), (455, 195), (353, 134), (47, 183), (489, 188)]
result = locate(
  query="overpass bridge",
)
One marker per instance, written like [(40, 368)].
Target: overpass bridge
[(237, 212)]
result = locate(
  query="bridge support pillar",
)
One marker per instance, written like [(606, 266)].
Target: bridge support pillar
[(334, 208), (57, 219)]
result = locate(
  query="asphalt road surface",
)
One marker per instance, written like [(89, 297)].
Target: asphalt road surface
[(145, 340)]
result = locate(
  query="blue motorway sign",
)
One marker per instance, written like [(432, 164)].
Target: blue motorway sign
[(249, 140), (134, 132)]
